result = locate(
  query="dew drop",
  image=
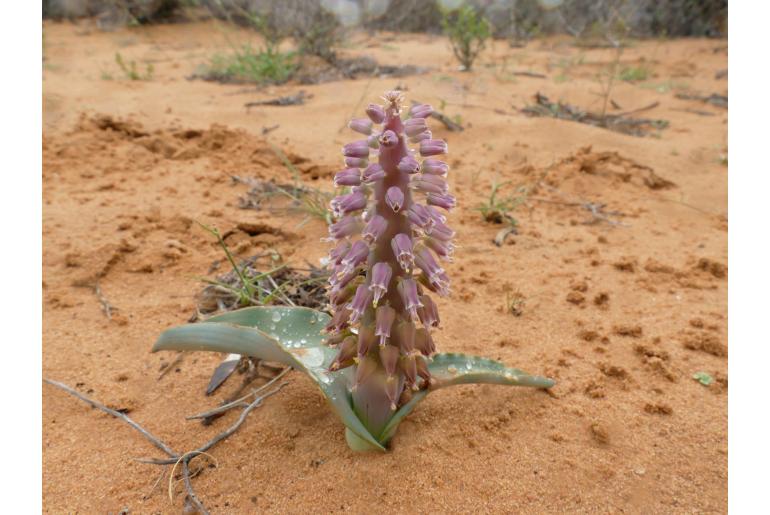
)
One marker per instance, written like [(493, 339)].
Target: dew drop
[(272, 327), (468, 365), (452, 369), (303, 341), (276, 316)]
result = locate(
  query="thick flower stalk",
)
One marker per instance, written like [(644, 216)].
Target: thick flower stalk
[(391, 235)]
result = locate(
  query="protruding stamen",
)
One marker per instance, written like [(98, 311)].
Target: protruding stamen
[(374, 229), (372, 173), (360, 302), (381, 274), (408, 290), (388, 139), (394, 198), (358, 253), (402, 249), (345, 204), (384, 316), (428, 313)]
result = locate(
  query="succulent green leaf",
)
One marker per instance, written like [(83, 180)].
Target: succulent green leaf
[(289, 335), (449, 369)]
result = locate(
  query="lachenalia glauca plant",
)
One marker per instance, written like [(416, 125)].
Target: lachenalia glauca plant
[(374, 359)]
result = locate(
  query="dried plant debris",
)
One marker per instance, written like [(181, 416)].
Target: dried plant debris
[(272, 284), (622, 122), (450, 124), (296, 99), (317, 71), (278, 198), (714, 99)]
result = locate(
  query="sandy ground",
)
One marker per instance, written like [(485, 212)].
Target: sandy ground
[(621, 315)]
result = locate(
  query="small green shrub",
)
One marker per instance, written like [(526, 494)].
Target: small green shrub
[(468, 33), (634, 74), (130, 69), (247, 64)]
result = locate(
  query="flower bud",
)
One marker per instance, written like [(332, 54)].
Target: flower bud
[(366, 339), (339, 252), (433, 147), (394, 197), (366, 367), (421, 111), (358, 149), (356, 162), (404, 335), (408, 165), (415, 126), (424, 342), (389, 357), (347, 177), (391, 390), (361, 125), (409, 366), (434, 167), (375, 113)]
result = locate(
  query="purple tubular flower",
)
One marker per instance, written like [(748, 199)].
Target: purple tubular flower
[(407, 288), (409, 165), (428, 313), (347, 177), (346, 353), (415, 126), (409, 365), (394, 197), (427, 263), (442, 232), (404, 335), (358, 149), (346, 204), (361, 125), (402, 249), (381, 274), (357, 255), (443, 249), (433, 147), (421, 111), (388, 139), (346, 226), (375, 113), (366, 339), (424, 342), (435, 214), (434, 167), (356, 162), (373, 141), (389, 357), (338, 252), (421, 137), (420, 216), (384, 320), (360, 302), (442, 200), (374, 229), (372, 173), (429, 184)]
